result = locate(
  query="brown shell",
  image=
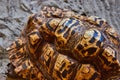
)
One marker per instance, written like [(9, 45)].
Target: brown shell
[(58, 44)]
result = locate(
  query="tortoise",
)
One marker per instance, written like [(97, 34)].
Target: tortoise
[(60, 44)]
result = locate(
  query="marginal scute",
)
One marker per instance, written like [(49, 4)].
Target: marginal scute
[(109, 58), (34, 40), (97, 21), (87, 72)]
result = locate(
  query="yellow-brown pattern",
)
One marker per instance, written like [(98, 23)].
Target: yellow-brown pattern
[(59, 44)]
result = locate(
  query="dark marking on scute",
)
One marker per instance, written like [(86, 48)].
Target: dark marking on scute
[(62, 66), (35, 18), (56, 16), (91, 50), (95, 19), (17, 44), (99, 18), (72, 18), (116, 54), (101, 22), (98, 43), (58, 74), (83, 51), (32, 76), (94, 76), (60, 15), (95, 34), (28, 63), (73, 25), (60, 31), (80, 47), (65, 35), (104, 59), (114, 37), (48, 62), (48, 25), (92, 40), (65, 26), (102, 38), (33, 33), (114, 59), (59, 42), (114, 66), (73, 32), (18, 54), (64, 73), (13, 57), (71, 68), (32, 18), (24, 66), (85, 45)]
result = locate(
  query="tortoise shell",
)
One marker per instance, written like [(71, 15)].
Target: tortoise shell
[(62, 45)]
